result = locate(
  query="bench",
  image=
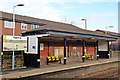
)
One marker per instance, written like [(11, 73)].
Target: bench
[(53, 59), (88, 56)]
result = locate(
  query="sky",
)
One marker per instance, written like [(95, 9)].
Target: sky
[(98, 13)]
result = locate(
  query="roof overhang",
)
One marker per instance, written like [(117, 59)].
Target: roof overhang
[(42, 33), (78, 35)]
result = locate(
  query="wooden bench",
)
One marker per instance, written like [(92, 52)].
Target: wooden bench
[(53, 59)]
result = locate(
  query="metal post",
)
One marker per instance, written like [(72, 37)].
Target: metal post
[(85, 23), (111, 49), (64, 51), (108, 50), (13, 55), (38, 55), (106, 28), (83, 51), (97, 51)]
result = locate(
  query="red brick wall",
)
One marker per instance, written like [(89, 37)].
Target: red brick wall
[(90, 50), (1, 25), (72, 47), (52, 47), (18, 30), (44, 53)]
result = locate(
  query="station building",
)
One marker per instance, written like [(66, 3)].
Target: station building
[(71, 43), (66, 41)]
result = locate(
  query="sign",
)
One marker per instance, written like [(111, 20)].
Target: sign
[(32, 45), (41, 46), (14, 42), (102, 46)]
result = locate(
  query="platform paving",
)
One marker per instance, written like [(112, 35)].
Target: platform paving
[(52, 68)]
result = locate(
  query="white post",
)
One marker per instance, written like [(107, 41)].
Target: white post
[(85, 23), (13, 55), (106, 28)]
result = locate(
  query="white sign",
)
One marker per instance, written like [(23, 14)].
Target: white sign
[(14, 42), (7, 37), (32, 45), (102, 46)]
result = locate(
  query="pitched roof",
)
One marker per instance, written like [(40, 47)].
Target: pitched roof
[(67, 28), (23, 18), (109, 33), (50, 25)]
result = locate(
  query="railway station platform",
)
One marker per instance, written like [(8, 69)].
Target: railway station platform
[(53, 68)]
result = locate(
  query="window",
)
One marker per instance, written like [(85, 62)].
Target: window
[(34, 26), (24, 26), (8, 24), (56, 52)]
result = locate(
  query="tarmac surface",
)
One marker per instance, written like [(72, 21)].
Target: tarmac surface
[(53, 68)]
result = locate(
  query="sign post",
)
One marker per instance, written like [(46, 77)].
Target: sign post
[(13, 43)]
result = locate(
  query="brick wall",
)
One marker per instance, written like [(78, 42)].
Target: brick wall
[(9, 31), (1, 25), (74, 49)]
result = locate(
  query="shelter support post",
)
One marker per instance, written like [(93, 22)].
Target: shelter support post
[(83, 50), (65, 44), (38, 55), (48, 47), (97, 50), (108, 49)]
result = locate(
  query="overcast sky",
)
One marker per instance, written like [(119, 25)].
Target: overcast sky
[(99, 13)]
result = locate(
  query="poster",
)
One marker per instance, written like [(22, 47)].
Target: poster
[(61, 51), (102, 46), (14, 42), (56, 52), (32, 45), (41, 46)]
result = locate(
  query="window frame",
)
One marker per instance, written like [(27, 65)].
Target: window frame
[(8, 24), (35, 26), (24, 24)]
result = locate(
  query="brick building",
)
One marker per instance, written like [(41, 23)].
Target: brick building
[(67, 41)]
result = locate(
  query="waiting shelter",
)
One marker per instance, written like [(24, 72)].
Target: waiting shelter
[(67, 42)]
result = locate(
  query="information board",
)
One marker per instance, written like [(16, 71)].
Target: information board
[(32, 45), (102, 46), (14, 42)]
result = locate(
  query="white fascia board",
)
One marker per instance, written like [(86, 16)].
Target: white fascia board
[(40, 35)]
